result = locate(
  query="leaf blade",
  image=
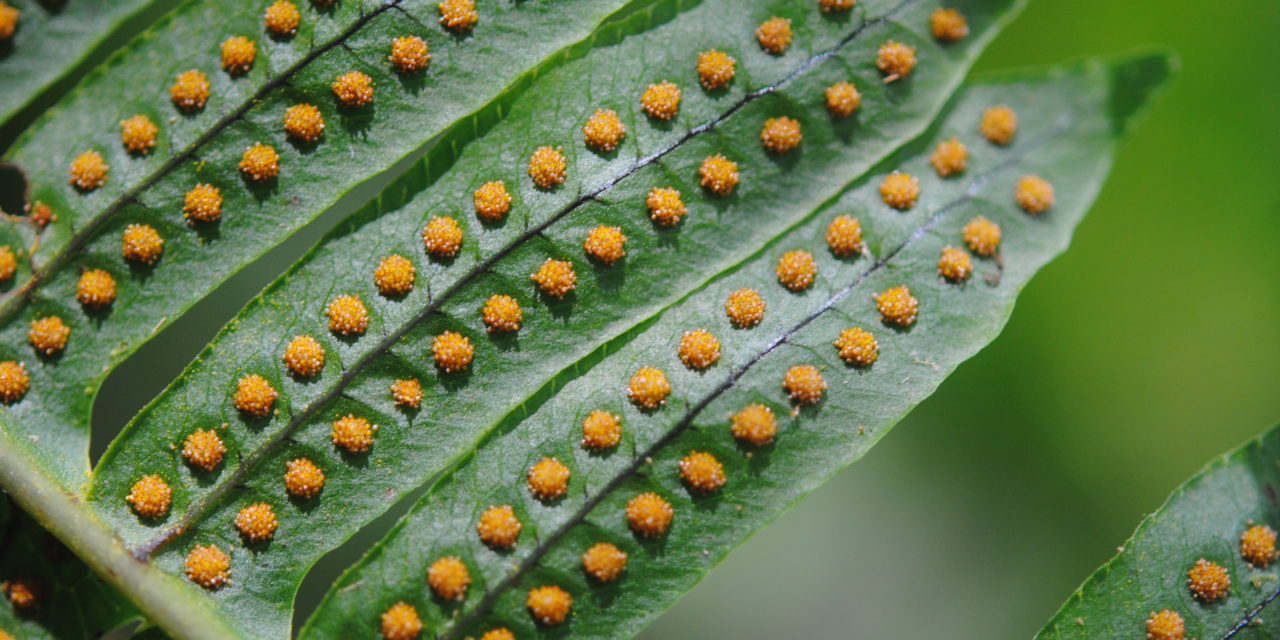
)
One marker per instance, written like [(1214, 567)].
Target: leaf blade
[(1202, 518), (53, 41), (768, 482), (255, 340), (206, 148)]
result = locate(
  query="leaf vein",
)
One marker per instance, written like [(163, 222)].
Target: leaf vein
[(133, 194), (1252, 614), (198, 508), (686, 421)]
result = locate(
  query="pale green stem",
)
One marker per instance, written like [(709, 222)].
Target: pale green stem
[(163, 598)]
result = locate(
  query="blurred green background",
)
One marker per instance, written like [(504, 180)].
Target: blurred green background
[(1150, 347)]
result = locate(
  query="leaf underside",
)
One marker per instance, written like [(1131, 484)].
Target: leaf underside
[(514, 373), (466, 73), (525, 394), (1203, 518), (1066, 137), (52, 39)]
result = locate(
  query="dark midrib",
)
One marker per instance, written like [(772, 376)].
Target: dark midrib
[(241, 472), (86, 232), (547, 543), (1252, 615)]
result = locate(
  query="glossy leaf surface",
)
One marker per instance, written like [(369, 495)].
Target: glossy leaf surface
[(1203, 519), (468, 70), (514, 371), (1069, 120), (52, 38)]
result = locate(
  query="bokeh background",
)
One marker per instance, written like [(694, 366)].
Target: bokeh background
[(1152, 346)]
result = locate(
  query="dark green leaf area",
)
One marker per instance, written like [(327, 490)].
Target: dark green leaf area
[(53, 39), (1203, 518), (205, 147), (466, 71), (1066, 135), (69, 600), (512, 374)]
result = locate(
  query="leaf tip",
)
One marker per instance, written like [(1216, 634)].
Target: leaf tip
[(1136, 81)]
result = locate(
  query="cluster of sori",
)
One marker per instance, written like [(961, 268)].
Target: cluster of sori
[(649, 514), (1209, 581), (141, 244)]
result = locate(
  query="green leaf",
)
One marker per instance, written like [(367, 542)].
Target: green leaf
[(512, 43), (71, 602), (529, 75), (54, 39), (1203, 518), (1066, 134), (610, 305)]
